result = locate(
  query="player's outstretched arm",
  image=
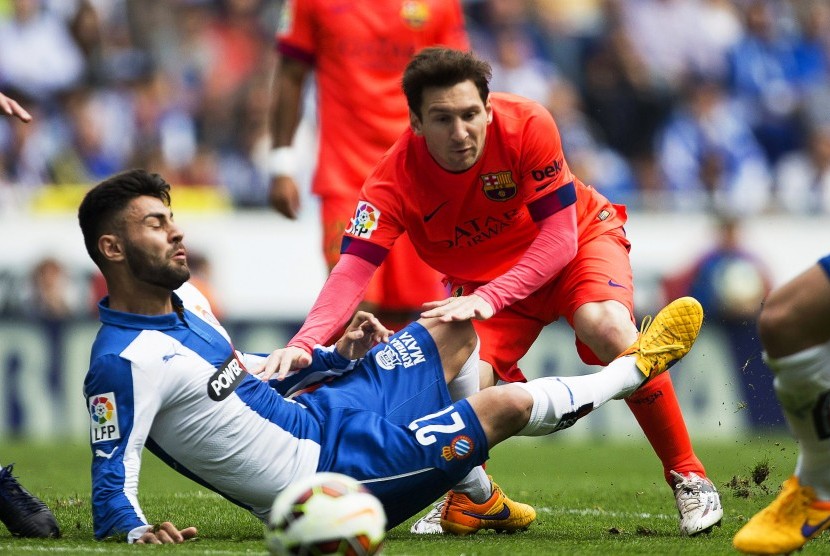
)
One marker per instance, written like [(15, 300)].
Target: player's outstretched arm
[(362, 334), (10, 107), (166, 533)]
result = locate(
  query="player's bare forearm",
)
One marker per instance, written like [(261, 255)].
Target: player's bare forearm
[(283, 194), (286, 101)]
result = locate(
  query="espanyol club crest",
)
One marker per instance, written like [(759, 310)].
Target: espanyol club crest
[(387, 358), (460, 448), (499, 186)]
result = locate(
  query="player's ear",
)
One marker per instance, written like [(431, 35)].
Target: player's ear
[(415, 123), (111, 247), (488, 108)]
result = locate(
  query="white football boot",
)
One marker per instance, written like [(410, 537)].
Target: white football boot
[(698, 502)]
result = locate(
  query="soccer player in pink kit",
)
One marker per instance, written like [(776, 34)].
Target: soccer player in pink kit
[(482, 187), (358, 51)]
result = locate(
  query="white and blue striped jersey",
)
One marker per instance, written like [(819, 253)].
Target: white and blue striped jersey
[(175, 384)]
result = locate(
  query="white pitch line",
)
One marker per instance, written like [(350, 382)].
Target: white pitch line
[(598, 512), (110, 549)]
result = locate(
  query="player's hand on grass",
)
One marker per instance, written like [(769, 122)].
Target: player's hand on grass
[(451, 309), (166, 533), (10, 107), (362, 334), (282, 362), (284, 196)]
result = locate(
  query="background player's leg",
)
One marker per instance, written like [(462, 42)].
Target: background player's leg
[(794, 327)]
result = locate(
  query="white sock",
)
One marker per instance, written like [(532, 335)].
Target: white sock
[(802, 384), (559, 401), (476, 485), (466, 382)]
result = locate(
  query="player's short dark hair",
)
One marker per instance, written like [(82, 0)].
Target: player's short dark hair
[(443, 67), (99, 212)]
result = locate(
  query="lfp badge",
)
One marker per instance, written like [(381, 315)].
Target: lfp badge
[(103, 413)]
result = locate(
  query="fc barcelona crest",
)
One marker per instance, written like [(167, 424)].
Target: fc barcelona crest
[(499, 186), (415, 14)]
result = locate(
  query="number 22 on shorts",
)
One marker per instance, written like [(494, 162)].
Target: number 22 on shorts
[(425, 433)]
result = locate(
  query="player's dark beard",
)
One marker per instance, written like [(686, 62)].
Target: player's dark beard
[(159, 272)]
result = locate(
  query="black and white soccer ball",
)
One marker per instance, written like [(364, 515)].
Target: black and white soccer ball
[(326, 513)]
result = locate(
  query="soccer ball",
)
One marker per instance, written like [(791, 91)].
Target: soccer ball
[(326, 513)]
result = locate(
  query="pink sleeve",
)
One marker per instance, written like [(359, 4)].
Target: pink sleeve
[(338, 299), (546, 256)]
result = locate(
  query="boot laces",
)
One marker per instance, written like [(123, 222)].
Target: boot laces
[(666, 348), (12, 491)]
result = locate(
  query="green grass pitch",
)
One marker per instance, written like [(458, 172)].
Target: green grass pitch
[(600, 497)]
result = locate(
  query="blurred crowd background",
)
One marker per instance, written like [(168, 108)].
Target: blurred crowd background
[(716, 106), (662, 104)]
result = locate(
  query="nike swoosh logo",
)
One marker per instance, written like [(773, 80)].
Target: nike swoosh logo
[(613, 284), (103, 454), (503, 514), (428, 217), (809, 530), (541, 187)]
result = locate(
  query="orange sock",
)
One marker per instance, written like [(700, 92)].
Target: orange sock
[(657, 411)]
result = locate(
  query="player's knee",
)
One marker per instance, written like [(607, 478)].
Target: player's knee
[(455, 340), (503, 410), (515, 407), (607, 331), (614, 338), (518, 403)]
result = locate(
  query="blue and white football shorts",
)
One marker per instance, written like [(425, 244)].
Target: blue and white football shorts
[(390, 424)]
